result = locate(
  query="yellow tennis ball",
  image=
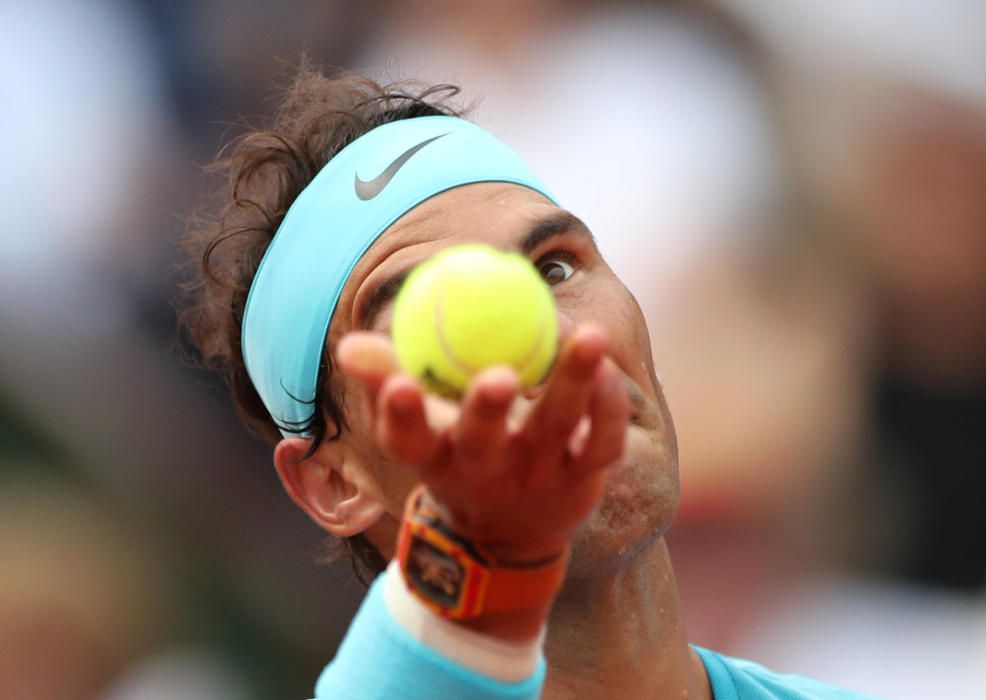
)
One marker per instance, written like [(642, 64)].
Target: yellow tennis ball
[(472, 307)]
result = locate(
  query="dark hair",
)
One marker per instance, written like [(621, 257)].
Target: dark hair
[(262, 172)]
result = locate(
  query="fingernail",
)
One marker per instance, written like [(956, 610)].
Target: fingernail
[(401, 411), (587, 353), (402, 402), (496, 395)]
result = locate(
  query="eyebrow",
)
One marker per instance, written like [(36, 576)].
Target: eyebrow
[(562, 223), (559, 224)]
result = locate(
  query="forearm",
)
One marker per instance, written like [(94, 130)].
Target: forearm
[(412, 653)]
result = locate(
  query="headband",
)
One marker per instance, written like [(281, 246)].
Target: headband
[(359, 193)]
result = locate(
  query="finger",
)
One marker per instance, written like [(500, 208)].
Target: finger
[(402, 427), (482, 426), (369, 357), (609, 416), (579, 436), (566, 396)]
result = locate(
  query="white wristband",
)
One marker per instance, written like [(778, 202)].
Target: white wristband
[(504, 661)]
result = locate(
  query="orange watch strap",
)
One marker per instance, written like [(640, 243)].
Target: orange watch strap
[(513, 589), (507, 589)]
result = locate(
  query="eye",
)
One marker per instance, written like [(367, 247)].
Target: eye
[(555, 270)]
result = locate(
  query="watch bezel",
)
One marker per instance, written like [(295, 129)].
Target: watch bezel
[(420, 533)]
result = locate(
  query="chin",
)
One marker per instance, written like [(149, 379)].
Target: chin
[(638, 507)]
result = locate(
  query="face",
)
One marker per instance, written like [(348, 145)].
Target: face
[(642, 491)]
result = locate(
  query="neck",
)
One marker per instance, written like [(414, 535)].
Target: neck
[(623, 636)]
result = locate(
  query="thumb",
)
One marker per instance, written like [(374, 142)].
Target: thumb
[(368, 357)]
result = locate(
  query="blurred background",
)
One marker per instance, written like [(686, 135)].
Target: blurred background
[(805, 230)]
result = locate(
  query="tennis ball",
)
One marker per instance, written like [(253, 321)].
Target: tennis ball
[(472, 307)]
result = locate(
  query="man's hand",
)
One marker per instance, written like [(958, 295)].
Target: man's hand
[(516, 475)]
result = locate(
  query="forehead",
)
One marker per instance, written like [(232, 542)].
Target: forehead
[(491, 212), (500, 214)]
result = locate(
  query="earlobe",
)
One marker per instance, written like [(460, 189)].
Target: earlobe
[(333, 492)]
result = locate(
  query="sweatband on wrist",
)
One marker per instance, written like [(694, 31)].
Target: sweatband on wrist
[(508, 662)]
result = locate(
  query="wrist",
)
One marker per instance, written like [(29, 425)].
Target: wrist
[(463, 581), (522, 626), (512, 554), (484, 648)]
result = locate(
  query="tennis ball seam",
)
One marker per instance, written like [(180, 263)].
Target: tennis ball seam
[(443, 341), (461, 364)]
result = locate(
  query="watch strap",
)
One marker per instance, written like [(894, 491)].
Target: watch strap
[(523, 588), (488, 587)]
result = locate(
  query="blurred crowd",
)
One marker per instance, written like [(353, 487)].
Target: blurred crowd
[(794, 192)]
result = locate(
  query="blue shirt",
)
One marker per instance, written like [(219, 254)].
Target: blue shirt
[(379, 660)]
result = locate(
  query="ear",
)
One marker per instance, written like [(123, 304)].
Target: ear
[(335, 492)]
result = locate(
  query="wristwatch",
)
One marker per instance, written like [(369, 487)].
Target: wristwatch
[(457, 579)]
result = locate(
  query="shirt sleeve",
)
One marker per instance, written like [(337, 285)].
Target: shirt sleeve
[(381, 659), (738, 679)]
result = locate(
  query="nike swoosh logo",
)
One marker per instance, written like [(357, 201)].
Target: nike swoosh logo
[(368, 189)]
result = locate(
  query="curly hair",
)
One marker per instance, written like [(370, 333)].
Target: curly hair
[(261, 173)]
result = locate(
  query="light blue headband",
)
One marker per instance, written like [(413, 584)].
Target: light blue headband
[(365, 188)]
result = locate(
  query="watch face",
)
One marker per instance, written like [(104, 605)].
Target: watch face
[(435, 575)]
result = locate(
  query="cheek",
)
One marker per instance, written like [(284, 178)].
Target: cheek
[(615, 308), (602, 299), (396, 482), (633, 317)]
